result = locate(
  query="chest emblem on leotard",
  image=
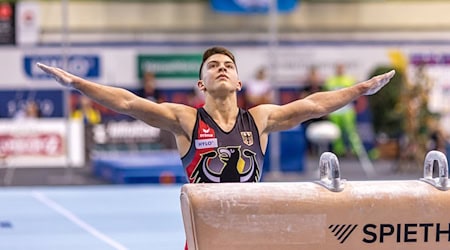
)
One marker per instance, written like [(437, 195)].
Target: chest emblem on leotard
[(230, 165), (247, 138)]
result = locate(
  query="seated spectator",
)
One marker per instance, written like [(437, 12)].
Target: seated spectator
[(30, 110), (149, 90), (86, 111), (259, 90)]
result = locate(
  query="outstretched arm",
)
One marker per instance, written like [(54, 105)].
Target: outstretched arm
[(121, 100), (274, 117)]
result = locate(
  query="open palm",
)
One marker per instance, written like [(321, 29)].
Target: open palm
[(64, 78)]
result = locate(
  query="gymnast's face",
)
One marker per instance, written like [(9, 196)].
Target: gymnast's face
[(219, 73)]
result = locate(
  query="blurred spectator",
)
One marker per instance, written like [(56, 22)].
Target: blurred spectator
[(90, 116), (311, 84), (86, 111), (259, 90), (345, 117), (196, 98), (31, 110), (149, 90)]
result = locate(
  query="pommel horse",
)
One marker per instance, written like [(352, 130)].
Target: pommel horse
[(330, 213)]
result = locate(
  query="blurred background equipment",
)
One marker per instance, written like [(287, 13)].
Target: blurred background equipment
[(7, 23), (323, 133)]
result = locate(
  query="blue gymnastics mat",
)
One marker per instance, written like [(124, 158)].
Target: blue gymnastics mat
[(91, 217), (162, 166)]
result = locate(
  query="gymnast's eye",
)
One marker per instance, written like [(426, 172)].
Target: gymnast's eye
[(212, 65)]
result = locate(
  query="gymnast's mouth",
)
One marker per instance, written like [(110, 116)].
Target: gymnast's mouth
[(222, 76)]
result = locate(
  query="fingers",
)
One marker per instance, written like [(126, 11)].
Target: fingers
[(379, 82), (58, 74), (44, 68), (387, 77), (389, 74), (47, 69)]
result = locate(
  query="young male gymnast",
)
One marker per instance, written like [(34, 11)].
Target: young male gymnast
[(220, 142)]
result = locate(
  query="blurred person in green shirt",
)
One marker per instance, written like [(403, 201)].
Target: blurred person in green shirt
[(345, 117)]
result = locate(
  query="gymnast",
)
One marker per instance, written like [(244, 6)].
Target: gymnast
[(220, 142)]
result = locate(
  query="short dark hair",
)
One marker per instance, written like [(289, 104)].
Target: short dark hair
[(212, 51)]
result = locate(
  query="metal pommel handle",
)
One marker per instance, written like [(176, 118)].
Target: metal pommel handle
[(441, 182), (330, 174)]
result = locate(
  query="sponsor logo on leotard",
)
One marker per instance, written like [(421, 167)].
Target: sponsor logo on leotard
[(206, 143), (204, 131)]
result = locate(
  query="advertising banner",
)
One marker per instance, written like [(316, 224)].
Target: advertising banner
[(41, 143), (49, 102), (170, 65), (86, 66), (28, 17), (252, 6)]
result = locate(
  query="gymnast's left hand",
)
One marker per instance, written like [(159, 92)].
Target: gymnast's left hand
[(377, 82), (62, 77)]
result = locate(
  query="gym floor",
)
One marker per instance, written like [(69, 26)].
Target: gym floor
[(91, 217)]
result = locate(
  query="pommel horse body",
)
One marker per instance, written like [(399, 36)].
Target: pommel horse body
[(330, 213)]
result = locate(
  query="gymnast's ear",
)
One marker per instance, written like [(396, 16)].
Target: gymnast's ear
[(201, 85), (239, 86)]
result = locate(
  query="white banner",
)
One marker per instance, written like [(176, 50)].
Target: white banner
[(117, 66), (28, 19), (41, 143)]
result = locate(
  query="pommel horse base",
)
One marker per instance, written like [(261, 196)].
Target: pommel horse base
[(327, 214)]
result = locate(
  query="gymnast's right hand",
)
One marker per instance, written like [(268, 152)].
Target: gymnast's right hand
[(62, 77)]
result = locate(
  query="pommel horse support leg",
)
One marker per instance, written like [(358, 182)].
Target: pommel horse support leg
[(328, 214)]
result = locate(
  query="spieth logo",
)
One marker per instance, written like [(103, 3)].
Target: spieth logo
[(342, 232), (398, 233)]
